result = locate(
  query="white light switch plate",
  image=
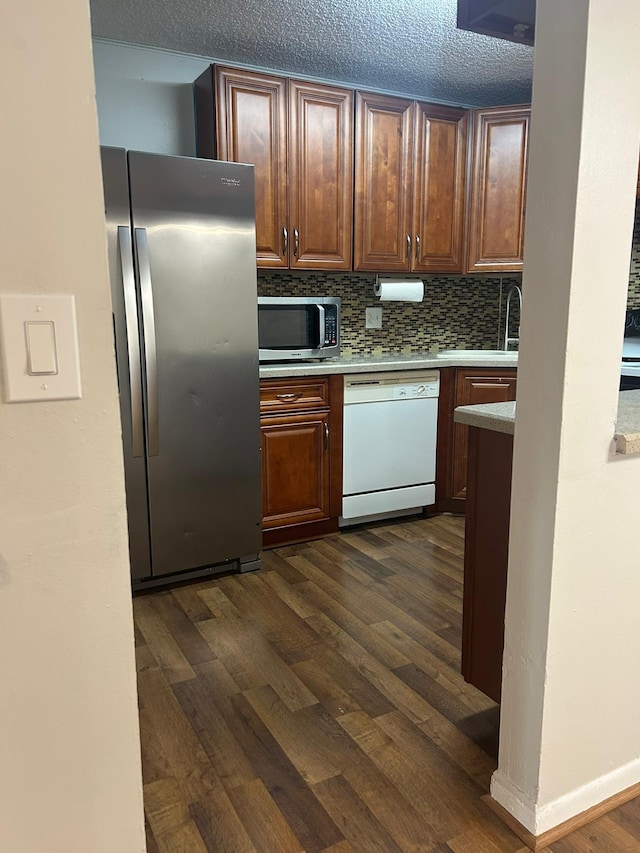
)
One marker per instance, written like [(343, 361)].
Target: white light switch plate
[(373, 317), (57, 351)]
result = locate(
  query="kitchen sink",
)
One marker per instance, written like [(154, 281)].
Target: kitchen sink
[(477, 353)]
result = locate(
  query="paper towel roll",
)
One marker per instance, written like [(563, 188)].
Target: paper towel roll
[(399, 289)]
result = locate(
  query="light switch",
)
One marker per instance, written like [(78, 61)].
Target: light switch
[(41, 348), (39, 345)]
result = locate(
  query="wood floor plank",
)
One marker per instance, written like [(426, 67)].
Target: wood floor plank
[(332, 697), (263, 820), (480, 727), (311, 738), (182, 629), (603, 834), (231, 644), (229, 762), (249, 656), (436, 795), (360, 631), (398, 693), (318, 706), (159, 638), (460, 806), (189, 599), (628, 817), (351, 681), (155, 765), (168, 814), (145, 659), (434, 667), (302, 811), (191, 767), (359, 825), (289, 594), (410, 831), (277, 622)]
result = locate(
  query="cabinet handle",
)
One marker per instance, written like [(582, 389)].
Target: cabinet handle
[(417, 247), (285, 242), (326, 436), (296, 241), (408, 246), (295, 396)]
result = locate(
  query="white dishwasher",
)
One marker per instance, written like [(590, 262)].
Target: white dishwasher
[(389, 444)]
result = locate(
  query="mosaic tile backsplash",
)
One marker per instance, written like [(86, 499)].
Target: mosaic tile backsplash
[(633, 297), (457, 312)]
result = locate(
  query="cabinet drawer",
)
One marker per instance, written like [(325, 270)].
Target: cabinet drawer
[(293, 395)]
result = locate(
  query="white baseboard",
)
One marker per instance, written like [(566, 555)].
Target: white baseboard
[(539, 819)]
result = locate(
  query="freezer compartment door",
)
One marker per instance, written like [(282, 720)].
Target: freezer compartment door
[(389, 444), (196, 262)]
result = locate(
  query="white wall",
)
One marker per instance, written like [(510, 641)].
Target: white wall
[(69, 746), (145, 98), (570, 726)]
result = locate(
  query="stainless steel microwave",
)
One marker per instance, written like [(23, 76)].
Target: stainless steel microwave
[(294, 328)]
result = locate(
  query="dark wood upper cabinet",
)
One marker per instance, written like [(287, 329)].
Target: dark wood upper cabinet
[(251, 127), (410, 177), (498, 189), (384, 153), (320, 166), (438, 188), (299, 137)]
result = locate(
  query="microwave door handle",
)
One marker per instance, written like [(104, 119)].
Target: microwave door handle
[(322, 326)]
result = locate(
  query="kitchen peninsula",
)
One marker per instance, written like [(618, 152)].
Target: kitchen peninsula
[(491, 429)]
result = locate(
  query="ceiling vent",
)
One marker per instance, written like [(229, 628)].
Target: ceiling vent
[(514, 20)]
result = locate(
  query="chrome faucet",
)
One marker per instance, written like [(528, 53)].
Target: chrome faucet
[(507, 338)]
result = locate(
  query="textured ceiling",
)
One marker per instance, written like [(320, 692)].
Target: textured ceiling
[(409, 46)]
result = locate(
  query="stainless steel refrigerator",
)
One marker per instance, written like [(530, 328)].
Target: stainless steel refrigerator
[(182, 259)]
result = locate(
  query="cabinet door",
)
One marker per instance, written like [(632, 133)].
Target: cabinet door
[(439, 188), (320, 176), (251, 127), (498, 189), (384, 152), (295, 469), (474, 387)]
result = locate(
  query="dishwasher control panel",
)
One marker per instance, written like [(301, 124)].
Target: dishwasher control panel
[(399, 385)]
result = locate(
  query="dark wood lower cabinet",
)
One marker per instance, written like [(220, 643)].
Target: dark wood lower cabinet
[(301, 442), (461, 386), (485, 558)]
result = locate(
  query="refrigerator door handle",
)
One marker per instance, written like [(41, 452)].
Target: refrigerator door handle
[(149, 333), (133, 339)]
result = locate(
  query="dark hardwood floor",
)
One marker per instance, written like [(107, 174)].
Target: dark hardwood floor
[(317, 705)]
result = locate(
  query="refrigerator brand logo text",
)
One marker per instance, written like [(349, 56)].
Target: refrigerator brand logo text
[(230, 182)]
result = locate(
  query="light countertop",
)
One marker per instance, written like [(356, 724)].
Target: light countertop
[(501, 417), (498, 417), (377, 363)]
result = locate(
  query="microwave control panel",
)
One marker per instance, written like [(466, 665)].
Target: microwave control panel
[(331, 328)]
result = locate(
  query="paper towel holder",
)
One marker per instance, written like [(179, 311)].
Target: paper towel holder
[(398, 289)]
